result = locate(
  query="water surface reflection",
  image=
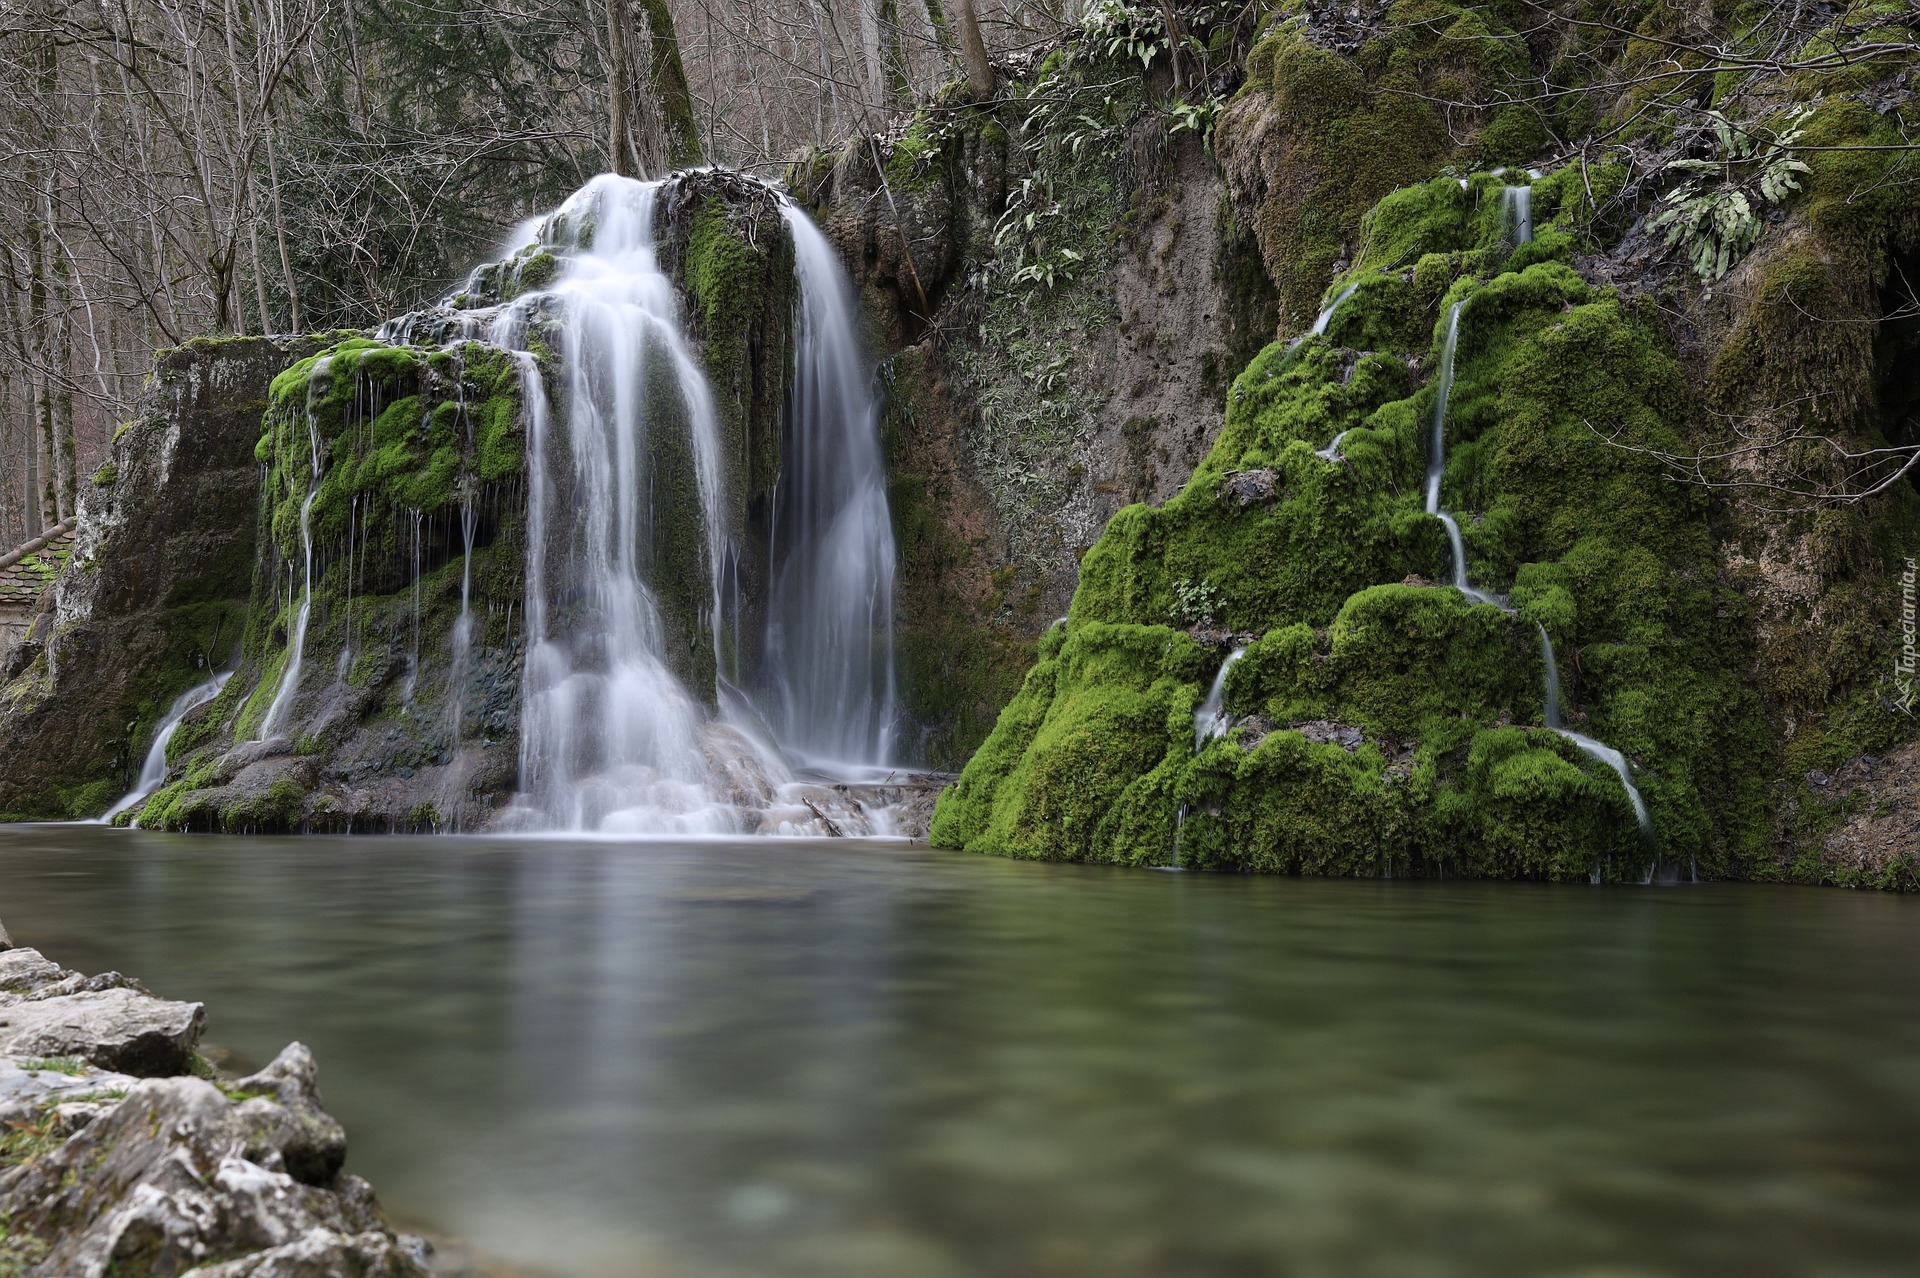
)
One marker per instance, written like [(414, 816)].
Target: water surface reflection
[(768, 1059)]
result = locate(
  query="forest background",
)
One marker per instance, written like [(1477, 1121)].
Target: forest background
[(179, 168)]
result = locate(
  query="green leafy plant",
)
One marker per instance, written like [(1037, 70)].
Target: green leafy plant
[(1197, 604), (1715, 212)]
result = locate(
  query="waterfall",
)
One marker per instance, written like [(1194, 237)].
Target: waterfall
[(1325, 317), (297, 642), (1210, 720), (1516, 206), (1594, 749), (635, 547), (829, 650), (1332, 451), (154, 770), (1437, 462), (609, 738)]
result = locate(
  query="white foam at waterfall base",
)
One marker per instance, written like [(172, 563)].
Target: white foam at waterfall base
[(153, 770)]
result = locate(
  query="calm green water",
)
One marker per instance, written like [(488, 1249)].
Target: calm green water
[(866, 1061)]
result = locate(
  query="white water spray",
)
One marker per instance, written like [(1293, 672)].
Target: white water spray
[(154, 770)]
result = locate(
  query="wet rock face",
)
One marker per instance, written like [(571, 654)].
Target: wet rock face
[(102, 1172), (161, 569)]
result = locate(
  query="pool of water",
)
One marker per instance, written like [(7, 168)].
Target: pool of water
[(773, 1059)]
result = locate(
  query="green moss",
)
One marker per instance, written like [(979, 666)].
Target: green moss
[(107, 476)]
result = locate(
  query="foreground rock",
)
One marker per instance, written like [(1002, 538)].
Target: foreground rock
[(120, 1154)]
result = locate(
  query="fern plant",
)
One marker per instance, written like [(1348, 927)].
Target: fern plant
[(1715, 212)]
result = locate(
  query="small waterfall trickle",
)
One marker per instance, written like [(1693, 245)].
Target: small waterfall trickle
[(1437, 462), (154, 770), (1211, 719), (1594, 749), (829, 651), (1516, 208), (297, 642), (1436, 468), (1325, 317)]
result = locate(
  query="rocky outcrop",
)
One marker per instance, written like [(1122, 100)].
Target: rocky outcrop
[(123, 1154), (154, 597)]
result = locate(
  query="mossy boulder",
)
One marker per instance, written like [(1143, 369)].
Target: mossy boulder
[(1437, 759)]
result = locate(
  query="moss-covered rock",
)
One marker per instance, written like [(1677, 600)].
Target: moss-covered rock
[(1441, 762)]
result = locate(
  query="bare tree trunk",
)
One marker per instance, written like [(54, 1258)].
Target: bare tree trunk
[(895, 81), (621, 155), (973, 51), (667, 77)]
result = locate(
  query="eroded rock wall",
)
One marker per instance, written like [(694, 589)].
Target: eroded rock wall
[(1740, 650), (154, 600)]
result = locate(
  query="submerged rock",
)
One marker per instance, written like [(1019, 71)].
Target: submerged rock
[(102, 1172)]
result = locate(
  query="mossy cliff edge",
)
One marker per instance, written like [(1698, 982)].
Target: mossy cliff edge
[(1380, 724)]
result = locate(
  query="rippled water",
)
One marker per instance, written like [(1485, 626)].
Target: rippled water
[(772, 1059)]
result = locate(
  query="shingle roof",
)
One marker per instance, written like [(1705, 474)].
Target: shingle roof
[(26, 573)]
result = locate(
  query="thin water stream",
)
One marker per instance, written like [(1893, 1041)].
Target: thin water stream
[(811, 1060)]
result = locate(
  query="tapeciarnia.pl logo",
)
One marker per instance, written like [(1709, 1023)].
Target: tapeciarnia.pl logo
[(1904, 661)]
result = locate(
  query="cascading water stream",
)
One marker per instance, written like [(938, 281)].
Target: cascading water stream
[(1325, 317), (1211, 719), (154, 770), (1605, 753), (829, 650), (610, 738), (1516, 205), (632, 553), (1436, 468), (1437, 461), (297, 642)]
